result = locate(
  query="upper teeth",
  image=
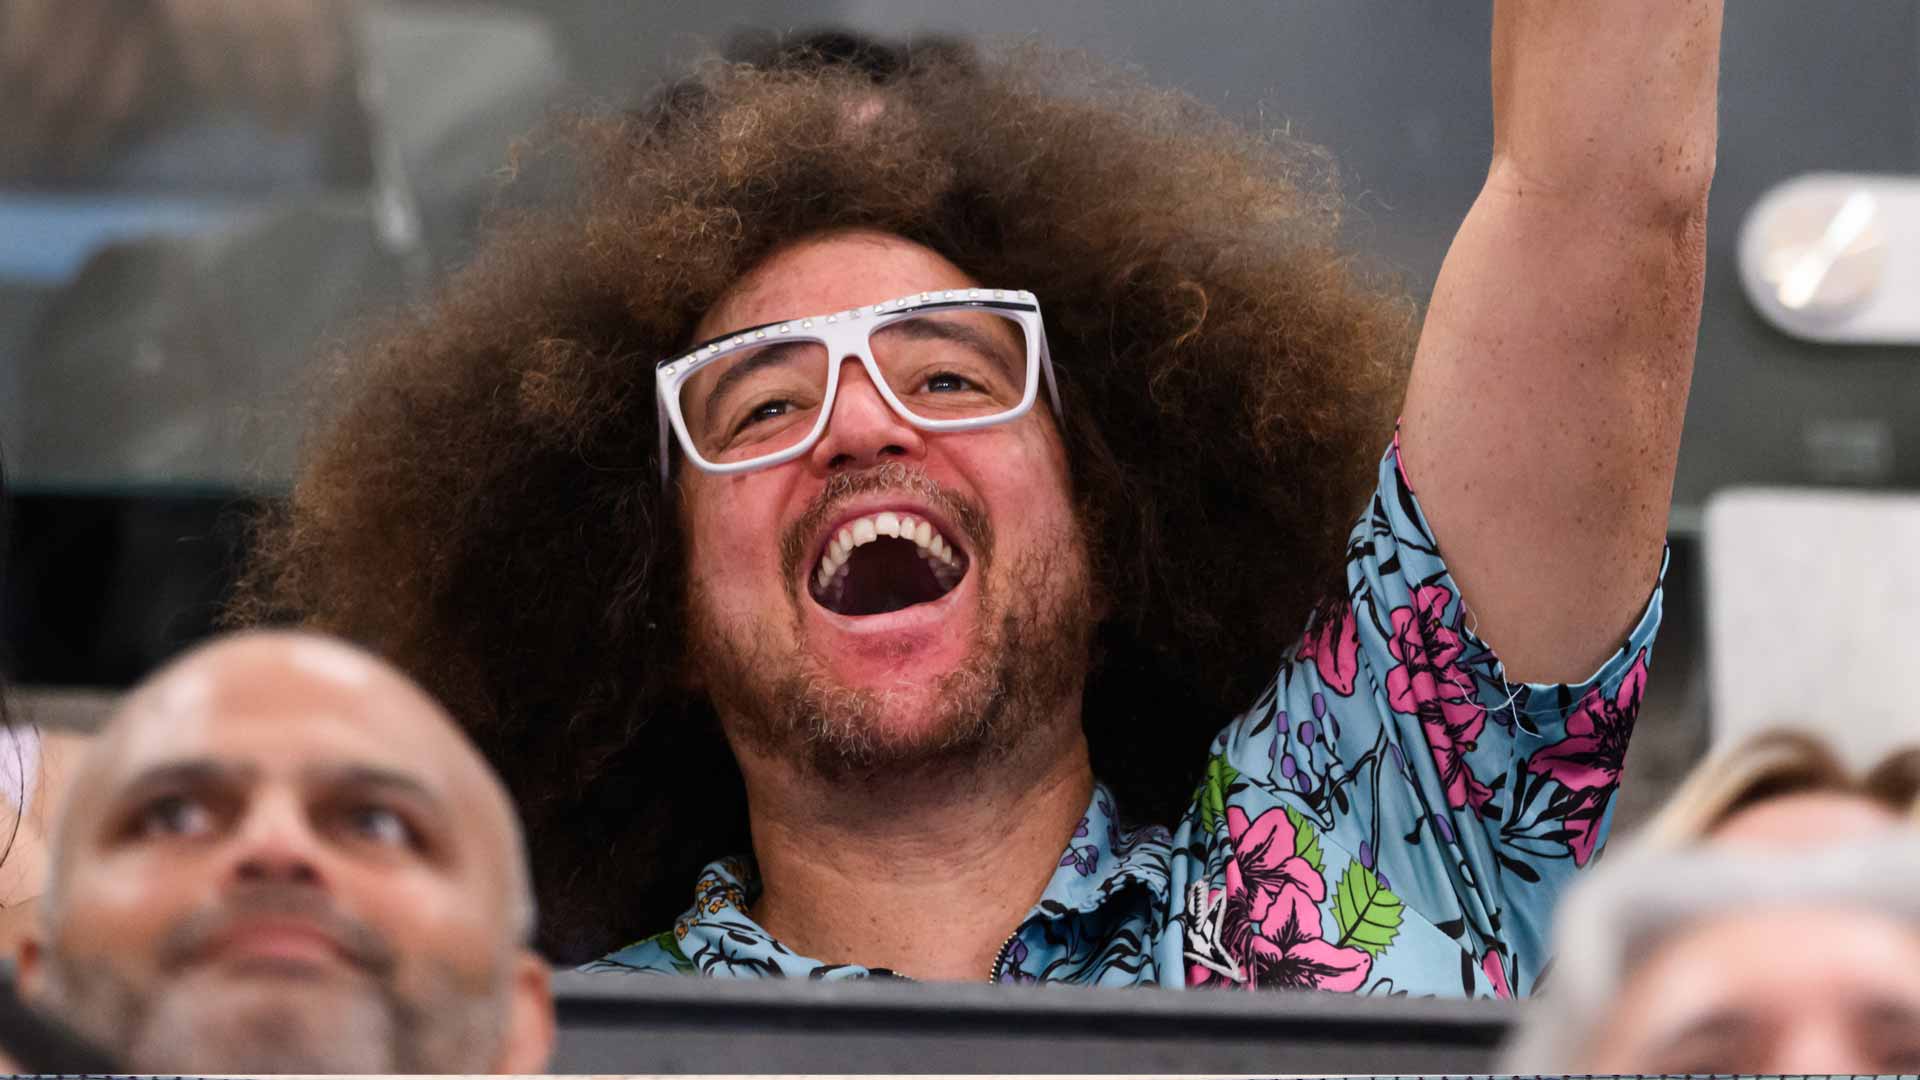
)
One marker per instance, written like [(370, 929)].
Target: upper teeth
[(940, 554)]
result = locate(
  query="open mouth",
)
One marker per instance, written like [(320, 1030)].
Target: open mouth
[(884, 562)]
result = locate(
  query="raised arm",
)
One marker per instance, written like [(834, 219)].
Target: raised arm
[(1543, 418)]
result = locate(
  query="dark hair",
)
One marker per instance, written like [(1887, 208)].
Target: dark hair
[(483, 505)]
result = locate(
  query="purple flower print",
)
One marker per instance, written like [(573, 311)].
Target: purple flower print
[(1010, 967), (1082, 859)]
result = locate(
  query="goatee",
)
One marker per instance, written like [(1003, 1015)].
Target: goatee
[(1030, 655)]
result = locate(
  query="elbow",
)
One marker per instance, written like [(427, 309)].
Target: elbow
[(1677, 183), (1664, 191)]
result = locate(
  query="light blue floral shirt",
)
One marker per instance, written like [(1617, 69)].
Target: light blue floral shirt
[(1391, 816)]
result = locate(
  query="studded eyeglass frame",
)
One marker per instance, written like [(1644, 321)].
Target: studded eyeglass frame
[(848, 334)]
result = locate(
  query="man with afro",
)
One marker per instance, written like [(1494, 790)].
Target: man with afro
[(848, 519)]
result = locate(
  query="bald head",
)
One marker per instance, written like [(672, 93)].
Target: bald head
[(266, 685), (284, 818)]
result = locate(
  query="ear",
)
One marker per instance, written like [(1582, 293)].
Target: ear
[(530, 1020), (28, 969)]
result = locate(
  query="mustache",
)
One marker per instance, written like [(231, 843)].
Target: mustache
[(198, 933), (894, 477)]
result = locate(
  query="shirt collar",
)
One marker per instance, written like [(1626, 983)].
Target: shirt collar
[(1101, 860)]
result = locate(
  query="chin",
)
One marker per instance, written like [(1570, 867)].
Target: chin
[(221, 1024)]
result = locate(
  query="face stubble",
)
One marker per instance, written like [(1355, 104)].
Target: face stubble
[(1030, 653), (194, 1020)]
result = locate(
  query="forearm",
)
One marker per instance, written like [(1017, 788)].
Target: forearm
[(1610, 104), (1543, 419)]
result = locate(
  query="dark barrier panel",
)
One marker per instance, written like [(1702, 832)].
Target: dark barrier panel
[(653, 1024)]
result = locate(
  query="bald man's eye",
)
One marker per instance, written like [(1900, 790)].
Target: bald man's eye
[(176, 816), (381, 825)]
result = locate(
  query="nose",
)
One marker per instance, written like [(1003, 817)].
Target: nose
[(275, 843), (863, 429)]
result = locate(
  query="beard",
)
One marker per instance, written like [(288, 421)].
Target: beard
[(197, 1020), (1029, 657)]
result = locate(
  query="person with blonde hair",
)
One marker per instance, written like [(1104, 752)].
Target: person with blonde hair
[(1786, 787), (1767, 920), (1726, 959)]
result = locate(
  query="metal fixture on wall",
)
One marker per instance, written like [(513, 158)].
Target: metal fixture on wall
[(1835, 258)]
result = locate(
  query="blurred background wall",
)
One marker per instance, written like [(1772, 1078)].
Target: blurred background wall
[(162, 306)]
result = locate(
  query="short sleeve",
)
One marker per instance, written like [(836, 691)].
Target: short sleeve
[(1429, 810)]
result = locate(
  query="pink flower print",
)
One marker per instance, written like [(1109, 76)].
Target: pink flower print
[(1264, 869), (1588, 761), (1270, 924), (1286, 951), (1334, 647), (1496, 974), (1289, 952), (1430, 683), (1425, 645)]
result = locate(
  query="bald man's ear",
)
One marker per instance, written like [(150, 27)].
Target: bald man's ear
[(530, 1020), (28, 968)]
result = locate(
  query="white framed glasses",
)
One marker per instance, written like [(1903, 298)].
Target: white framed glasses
[(949, 360)]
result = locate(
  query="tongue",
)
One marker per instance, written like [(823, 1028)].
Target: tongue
[(885, 575)]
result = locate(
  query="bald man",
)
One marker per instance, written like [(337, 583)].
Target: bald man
[(282, 857)]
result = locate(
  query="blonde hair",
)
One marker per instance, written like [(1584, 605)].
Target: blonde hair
[(1771, 765)]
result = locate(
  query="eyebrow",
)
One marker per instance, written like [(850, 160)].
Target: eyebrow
[(212, 772), (779, 353), (1720, 1024), (191, 772), (369, 776), (960, 334)]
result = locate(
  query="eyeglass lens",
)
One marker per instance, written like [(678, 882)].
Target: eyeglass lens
[(954, 364)]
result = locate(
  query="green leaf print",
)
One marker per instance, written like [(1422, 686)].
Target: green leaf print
[(1211, 796), (1367, 914), (1306, 839), (670, 944)]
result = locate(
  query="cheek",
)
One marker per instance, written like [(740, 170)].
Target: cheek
[(124, 907), (1028, 483), (429, 918), (733, 535)]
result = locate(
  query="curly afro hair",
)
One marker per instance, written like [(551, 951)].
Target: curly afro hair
[(481, 503)]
